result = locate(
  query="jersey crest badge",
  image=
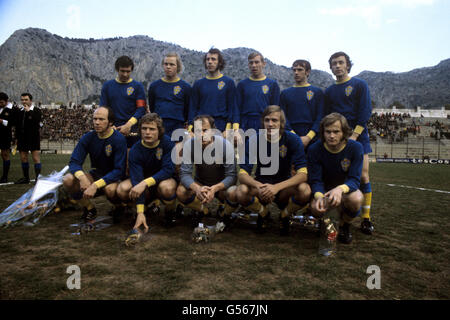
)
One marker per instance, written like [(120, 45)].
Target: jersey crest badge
[(348, 91), (108, 150), (265, 89), (130, 91), (220, 85), (309, 95), (283, 151), (159, 153), (345, 164), (176, 90)]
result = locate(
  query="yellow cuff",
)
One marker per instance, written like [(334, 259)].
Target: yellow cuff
[(311, 134), (140, 208), (79, 174), (235, 126), (318, 195), (100, 183), (303, 170), (228, 127), (243, 171), (358, 129), (150, 182), (190, 128), (293, 131), (132, 121), (344, 188)]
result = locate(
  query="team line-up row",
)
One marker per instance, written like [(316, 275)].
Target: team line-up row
[(320, 164)]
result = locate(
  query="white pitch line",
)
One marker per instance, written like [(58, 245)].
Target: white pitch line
[(8, 183), (417, 188)]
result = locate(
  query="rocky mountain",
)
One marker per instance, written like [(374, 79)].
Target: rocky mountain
[(426, 87), (60, 70)]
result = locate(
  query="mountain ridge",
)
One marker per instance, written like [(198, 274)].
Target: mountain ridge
[(59, 70)]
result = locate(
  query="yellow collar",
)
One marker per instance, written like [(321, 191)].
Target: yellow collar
[(107, 135), (117, 79), (214, 78), (301, 86), (344, 81), (150, 146), (335, 152), (173, 81), (259, 79)]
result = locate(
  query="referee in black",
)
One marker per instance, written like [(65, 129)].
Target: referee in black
[(28, 123), (7, 113)]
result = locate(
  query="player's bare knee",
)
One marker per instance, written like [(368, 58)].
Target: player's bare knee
[(304, 192), (354, 200), (68, 181), (231, 194), (123, 189), (182, 193)]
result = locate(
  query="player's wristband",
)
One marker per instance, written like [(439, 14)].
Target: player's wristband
[(311, 134), (358, 129), (235, 126), (228, 127), (150, 182), (132, 121), (140, 208), (79, 174), (100, 183), (345, 188), (318, 195), (190, 128), (302, 170)]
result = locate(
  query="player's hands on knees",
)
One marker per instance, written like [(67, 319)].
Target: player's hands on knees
[(137, 190), (268, 192), (90, 191), (141, 220), (84, 183), (334, 197), (203, 194)]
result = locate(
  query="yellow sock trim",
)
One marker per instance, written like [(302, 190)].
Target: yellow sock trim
[(365, 214), (256, 206)]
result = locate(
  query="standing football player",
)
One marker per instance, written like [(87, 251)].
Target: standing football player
[(350, 97), (303, 104), (215, 94), (255, 93), (127, 99), (7, 114)]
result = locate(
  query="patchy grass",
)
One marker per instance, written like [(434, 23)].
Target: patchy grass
[(411, 247)]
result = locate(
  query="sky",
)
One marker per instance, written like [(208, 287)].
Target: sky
[(378, 35)]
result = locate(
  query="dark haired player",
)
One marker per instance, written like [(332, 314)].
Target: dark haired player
[(303, 104), (215, 94), (7, 115), (350, 97), (127, 99), (28, 124)]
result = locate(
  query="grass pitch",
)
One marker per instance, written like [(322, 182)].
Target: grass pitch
[(411, 247)]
